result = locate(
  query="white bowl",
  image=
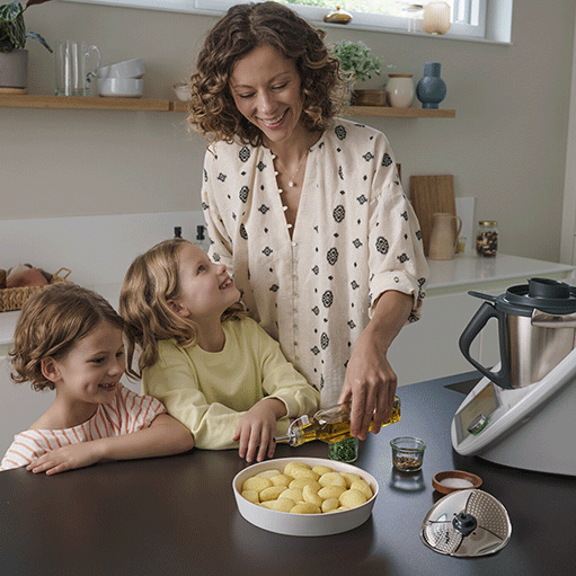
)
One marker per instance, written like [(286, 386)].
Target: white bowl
[(121, 87), (182, 92), (127, 69), (303, 524)]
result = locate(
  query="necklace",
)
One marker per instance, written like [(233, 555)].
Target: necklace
[(291, 181)]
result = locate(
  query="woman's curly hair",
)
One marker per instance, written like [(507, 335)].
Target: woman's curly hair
[(245, 27)]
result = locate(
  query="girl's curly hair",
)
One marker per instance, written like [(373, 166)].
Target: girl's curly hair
[(244, 28), (50, 324)]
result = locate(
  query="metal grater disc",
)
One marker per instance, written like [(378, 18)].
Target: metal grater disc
[(444, 528)]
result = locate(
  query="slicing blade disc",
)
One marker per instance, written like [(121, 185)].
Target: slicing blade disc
[(492, 532)]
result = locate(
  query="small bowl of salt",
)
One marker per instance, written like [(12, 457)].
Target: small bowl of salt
[(451, 480)]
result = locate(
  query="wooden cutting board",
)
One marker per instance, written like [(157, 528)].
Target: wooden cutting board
[(430, 194)]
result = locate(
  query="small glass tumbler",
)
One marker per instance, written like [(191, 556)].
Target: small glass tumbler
[(345, 450), (407, 453)]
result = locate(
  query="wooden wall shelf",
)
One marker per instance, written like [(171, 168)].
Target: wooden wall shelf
[(159, 105), (389, 112), (83, 103)]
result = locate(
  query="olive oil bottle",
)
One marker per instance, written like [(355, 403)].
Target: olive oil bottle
[(329, 425)]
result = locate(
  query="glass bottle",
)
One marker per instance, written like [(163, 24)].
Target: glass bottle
[(329, 425), (487, 239), (201, 240)]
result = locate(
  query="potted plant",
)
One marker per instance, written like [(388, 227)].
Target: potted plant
[(357, 58), (13, 56), (358, 63)]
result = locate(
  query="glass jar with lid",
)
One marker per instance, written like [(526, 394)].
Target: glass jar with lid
[(487, 238)]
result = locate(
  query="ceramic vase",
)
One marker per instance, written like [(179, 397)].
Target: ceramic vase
[(436, 17), (431, 89), (14, 69), (400, 90)]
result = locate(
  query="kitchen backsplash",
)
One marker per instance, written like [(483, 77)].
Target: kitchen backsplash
[(98, 249)]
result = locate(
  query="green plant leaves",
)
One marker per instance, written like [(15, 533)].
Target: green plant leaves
[(358, 58), (12, 28)]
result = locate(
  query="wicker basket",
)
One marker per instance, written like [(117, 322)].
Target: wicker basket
[(14, 298)]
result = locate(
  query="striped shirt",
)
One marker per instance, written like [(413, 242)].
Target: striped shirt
[(128, 412)]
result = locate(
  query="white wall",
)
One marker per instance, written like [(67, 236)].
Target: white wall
[(506, 146)]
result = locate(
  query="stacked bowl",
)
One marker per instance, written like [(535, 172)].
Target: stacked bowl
[(122, 80)]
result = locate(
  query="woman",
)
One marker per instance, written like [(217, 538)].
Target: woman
[(306, 210)]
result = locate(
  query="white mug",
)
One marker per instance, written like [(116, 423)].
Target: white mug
[(72, 78)]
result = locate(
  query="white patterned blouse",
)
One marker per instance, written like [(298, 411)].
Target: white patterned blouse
[(355, 237)]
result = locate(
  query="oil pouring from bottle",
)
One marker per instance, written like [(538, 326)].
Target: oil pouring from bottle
[(329, 425)]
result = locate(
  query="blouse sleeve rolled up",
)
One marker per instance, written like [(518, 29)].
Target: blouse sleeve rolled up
[(396, 257)]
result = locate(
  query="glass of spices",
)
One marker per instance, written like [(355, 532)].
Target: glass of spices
[(487, 238), (344, 451), (407, 453)]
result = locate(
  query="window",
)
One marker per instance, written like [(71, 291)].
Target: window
[(468, 16), (482, 20)]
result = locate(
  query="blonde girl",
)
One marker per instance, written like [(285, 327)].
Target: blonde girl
[(214, 369), (69, 339)]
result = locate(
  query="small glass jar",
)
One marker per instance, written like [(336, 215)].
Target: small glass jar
[(345, 450), (487, 239), (407, 453)]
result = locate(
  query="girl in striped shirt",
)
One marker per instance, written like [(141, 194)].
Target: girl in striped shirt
[(69, 339)]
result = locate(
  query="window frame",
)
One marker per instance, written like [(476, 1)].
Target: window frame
[(368, 21), (495, 14)]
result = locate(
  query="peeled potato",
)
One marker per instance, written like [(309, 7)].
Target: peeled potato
[(301, 482), (281, 480), (322, 469), (352, 498), (305, 508), (311, 495), (256, 483), (293, 493), (281, 505), (271, 493), (350, 477), (332, 479), (250, 495), (305, 473), (330, 491), (268, 474), (363, 486), (291, 466), (330, 504)]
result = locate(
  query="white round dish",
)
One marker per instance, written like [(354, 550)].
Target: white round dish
[(127, 69), (121, 87), (303, 524)]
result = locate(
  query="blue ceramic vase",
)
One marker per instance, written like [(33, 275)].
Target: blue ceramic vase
[(431, 89)]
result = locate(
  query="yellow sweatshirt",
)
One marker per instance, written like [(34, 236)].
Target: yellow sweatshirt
[(209, 392)]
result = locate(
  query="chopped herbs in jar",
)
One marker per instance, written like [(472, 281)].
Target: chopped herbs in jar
[(345, 450)]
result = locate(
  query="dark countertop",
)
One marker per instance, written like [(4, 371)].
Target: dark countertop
[(177, 516)]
